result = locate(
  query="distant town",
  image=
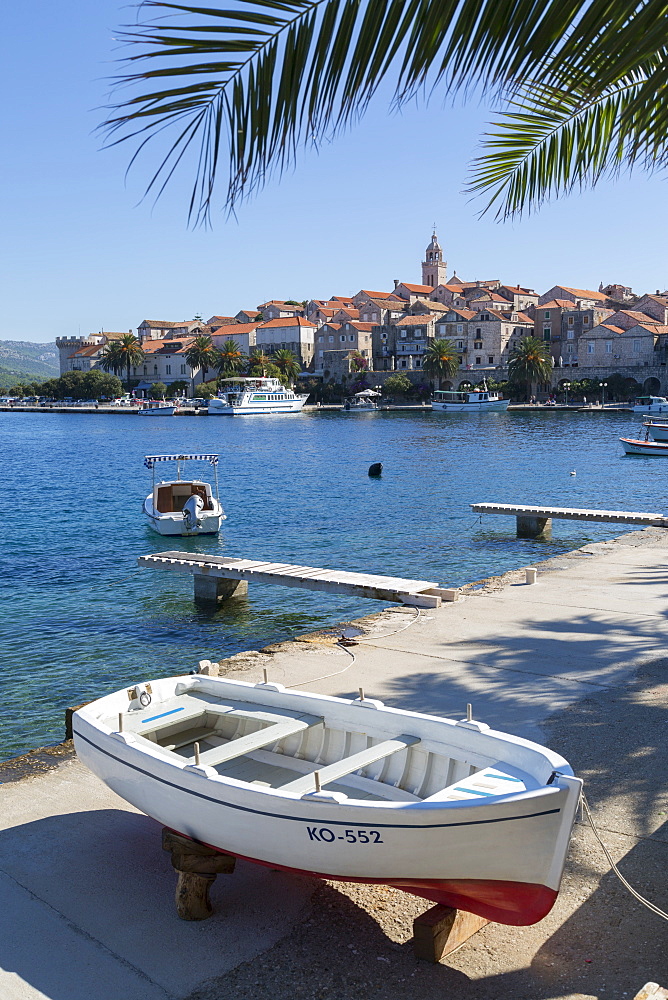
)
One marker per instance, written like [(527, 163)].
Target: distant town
[(610, 334)]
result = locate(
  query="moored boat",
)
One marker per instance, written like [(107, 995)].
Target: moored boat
[(470, 401), (183, 507), (650, 404), (152, 409), (657, 431), (633, 446), (362, 402), (243, 396), (347, 789)]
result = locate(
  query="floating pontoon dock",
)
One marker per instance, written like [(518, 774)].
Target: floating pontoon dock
[(216, 578), (532, 522)]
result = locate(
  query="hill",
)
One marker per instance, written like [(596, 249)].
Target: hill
[(22, 360)]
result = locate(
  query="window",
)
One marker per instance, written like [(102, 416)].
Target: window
[(571, 320), (351, 338), (478, 345), (547, 333), (490, 359), (478, 331), (374, 315), (183, 369), (418, 362), (570, 334), (168, 369), (478, 361), (441, 330), (484, 316), (608, 347), (590, 346), (330, 339), (460, 328), (460, 344), (403, 362), (636, 347), (546, 314), (585, 320), (569, 348), (343, 338), (321, 340), (145, 369), (383, 336), (418, 334), (403, 333)]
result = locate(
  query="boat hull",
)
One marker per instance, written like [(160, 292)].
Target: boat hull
[(635, 447), (501, 856), (157, 411), (496, 406), (174, 525), (243, 410), (659, 432)]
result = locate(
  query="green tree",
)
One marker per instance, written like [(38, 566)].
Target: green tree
[(530, 362), (97, 385), (441, 360), (112, 357), (124, 353), (287, 364), (582, 82), (178, 388), (71, 384), (398, 383), (258, 362), (158, 390), (230, 358), (201, 354)]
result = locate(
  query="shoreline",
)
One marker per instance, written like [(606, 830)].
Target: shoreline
[(576, 661), (186, 411)]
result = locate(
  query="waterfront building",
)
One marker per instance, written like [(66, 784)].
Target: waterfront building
[(343, 338), (381, 312), (581, 298), (609, 346), (292, 333), (403, 343), (492, 336), (80, 354), (243, 334), (575, 323), (165, 362), (159, 329)]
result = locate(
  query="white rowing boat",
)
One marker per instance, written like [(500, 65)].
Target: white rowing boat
[(349, 790), (634, 446)]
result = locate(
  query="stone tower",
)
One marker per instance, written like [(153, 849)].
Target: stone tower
[(434, 268)]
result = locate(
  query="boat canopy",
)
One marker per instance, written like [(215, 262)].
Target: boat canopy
[(150, 460)]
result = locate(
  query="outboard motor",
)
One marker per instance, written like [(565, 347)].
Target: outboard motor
[(192, 508)]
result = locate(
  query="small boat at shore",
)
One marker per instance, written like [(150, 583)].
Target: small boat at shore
[(151, 409), (362, 402), (657, 431), (345, 789), (183, 507), (650, 404), (633, 446)]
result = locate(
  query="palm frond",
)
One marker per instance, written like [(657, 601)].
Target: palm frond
[(250, 86), (553, 141)]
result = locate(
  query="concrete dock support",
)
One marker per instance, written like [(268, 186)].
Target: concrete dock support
[(530, 526), (213, 589)]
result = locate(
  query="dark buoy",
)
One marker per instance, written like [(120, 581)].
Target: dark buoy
[(376, 469)]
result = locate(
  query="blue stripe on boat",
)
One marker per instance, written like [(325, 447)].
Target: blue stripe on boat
[(474, 791), (506, 777), (163, 714)]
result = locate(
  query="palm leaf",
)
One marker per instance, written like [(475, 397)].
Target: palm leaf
[(250, 86)]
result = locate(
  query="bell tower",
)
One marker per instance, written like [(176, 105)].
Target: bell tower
[(434, 268)]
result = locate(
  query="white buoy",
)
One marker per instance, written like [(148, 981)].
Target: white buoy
[(572, 472)]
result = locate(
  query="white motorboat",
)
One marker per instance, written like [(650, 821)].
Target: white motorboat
[(657, 431), (470, 401), (183, 506), (343, 789), (633, 446), (362, 402), (244, 396), (152, 409), (650, 404)]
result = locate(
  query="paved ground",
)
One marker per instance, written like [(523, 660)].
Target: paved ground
[(576, 661)]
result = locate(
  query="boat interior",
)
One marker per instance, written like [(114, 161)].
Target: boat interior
[(276, 749), (169, 498)]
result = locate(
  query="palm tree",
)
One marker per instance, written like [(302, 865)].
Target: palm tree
[(530, 362), (201, 354), (123, 353), (230, 358), (583, 82), (287, 364), (112, 358), (441, 359), (258, 360)]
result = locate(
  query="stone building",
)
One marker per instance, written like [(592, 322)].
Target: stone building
[(242, 334), (402, 344), (609, 346), (343, 338), (80, 354), (434, 268), (292, 333)]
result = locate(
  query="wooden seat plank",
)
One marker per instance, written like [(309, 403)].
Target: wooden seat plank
[(257, 740), (357, 761)]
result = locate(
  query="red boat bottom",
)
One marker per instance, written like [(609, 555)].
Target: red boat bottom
[(515, 903)]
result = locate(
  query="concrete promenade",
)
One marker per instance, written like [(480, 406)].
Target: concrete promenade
[(578, 660)]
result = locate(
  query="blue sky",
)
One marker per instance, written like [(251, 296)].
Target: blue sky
[(81, 251)]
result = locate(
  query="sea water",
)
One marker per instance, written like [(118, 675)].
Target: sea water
[(79, 619)]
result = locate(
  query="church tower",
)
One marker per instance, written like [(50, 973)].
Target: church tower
[(434, 268)]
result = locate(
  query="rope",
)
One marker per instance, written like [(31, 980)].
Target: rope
[(641, 899)]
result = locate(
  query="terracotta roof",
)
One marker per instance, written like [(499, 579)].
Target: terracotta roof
[(287, 321), (281, 303), (657, 298), (167, 346), (521, 318), (86, 352), (250, 312), (362, 327), (641, 317), (464, 313), (613, 329), (110, 335), (341, 299), (166, 324), (557, 304), (519, 290), (330, 326), (396, 304), (376, 295), (584, 293), (417, 288), (416, 320), (239, 328), (432, 304)]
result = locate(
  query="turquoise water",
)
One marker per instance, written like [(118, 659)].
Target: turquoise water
[(79, 619)]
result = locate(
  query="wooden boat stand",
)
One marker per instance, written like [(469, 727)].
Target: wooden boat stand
[(436, 933)]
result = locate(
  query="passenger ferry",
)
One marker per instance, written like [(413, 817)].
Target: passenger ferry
[(470, 401), (255, 395)]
